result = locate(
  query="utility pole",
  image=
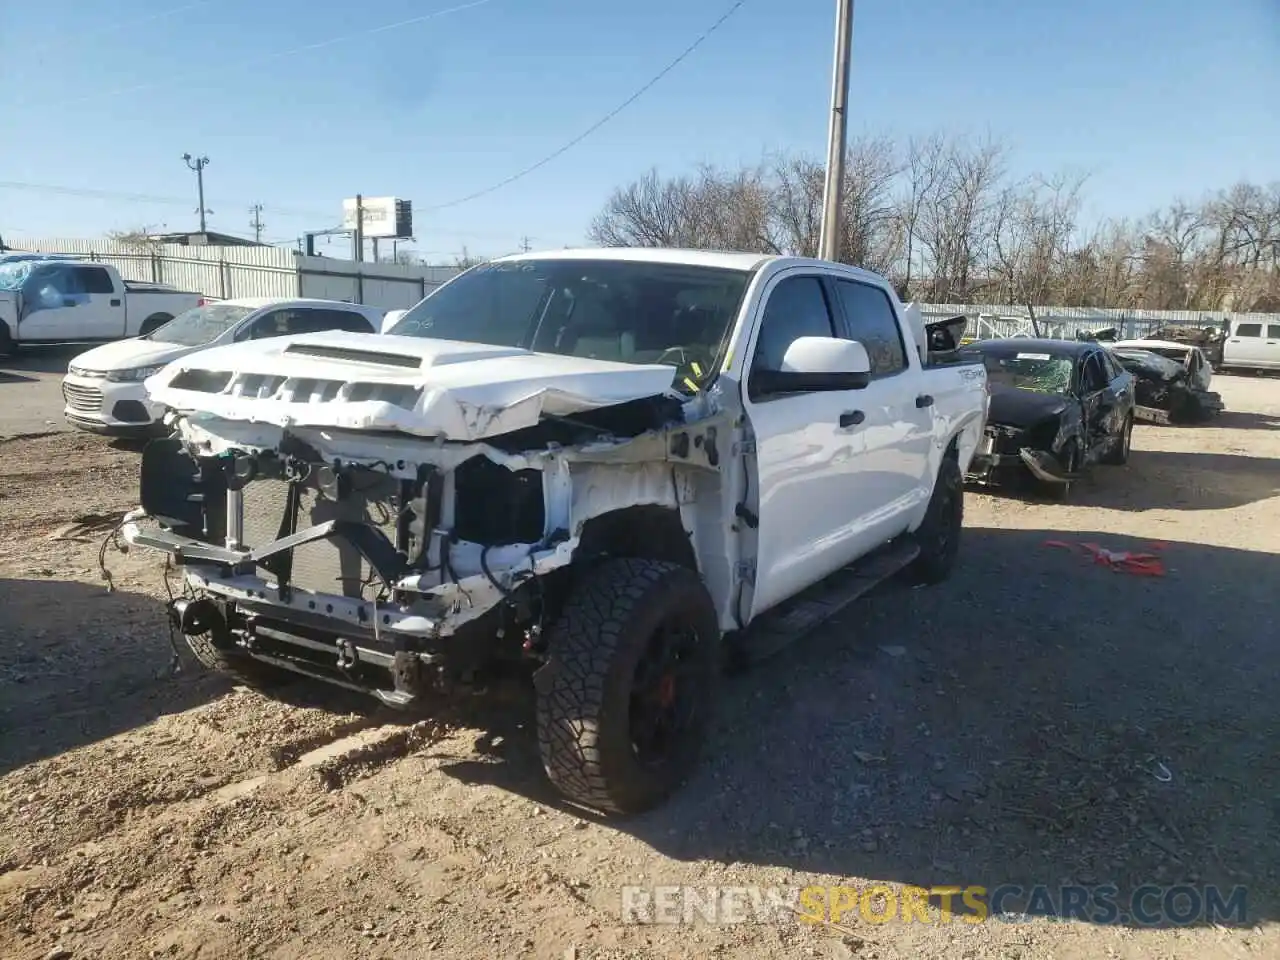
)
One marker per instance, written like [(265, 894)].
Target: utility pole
[(829, 242), (357, 236), (198, 166), (524, 245), (256, 223)]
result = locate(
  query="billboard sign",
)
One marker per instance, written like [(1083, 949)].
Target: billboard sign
[(384, 217)]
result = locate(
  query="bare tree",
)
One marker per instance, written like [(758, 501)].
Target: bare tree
[(944, 221)]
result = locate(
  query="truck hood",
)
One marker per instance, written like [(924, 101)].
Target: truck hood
[(127, 354), (432, 388)]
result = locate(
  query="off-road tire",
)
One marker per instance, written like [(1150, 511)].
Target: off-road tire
[(237, 666), (938, 535), (1118, 455), (584, 696)]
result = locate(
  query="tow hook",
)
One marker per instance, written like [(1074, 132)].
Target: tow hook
[(346, 655)]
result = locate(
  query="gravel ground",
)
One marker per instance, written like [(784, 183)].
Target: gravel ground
[(1037, 719)]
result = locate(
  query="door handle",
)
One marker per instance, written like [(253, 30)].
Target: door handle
[(115, 303), (924, 400), (851, 418)]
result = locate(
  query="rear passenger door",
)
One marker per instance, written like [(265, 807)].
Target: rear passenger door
[(899, 448)]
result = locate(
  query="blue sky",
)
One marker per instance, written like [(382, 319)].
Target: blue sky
[(1153, 98)]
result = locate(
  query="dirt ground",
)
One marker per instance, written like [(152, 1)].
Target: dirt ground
[(1039, 719)]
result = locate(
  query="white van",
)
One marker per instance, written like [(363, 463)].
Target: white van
[(1252, 345)]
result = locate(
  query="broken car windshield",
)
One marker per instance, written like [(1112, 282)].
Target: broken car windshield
[(1037, 372), (198, 326), (616, 310), (12, 275)]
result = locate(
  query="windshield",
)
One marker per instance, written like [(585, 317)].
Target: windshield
[(201, 324), (603, 309), (1037, 372), (12, 274)]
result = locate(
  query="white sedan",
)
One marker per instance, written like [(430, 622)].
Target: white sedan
[(103, 388)]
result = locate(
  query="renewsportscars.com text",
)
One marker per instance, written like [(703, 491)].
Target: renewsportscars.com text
[(1148, 905)]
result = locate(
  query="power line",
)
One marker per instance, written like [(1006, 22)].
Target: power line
[(279, 54), (127, 197), (115, 26), (603, 120)]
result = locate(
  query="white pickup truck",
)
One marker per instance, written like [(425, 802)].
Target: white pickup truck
[(626, 467), (79, 301)]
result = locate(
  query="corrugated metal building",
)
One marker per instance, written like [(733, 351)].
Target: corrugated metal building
[(227, 272)]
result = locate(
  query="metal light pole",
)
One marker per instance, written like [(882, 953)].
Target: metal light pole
[(829, 242), (198, 166)]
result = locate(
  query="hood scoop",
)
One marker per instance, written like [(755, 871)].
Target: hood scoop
[(354, 356)]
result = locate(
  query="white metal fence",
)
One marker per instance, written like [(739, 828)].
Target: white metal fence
[(1065, 322), (228, 272)]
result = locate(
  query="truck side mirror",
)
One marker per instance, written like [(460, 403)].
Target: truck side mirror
[(813, 364)]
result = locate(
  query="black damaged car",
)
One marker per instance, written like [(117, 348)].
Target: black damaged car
[(1057, 406)]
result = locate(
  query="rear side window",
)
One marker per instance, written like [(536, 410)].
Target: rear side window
[(318, 321), (1248, 330), (1273, 331), (796, 308), (95, 280), (870, 319)]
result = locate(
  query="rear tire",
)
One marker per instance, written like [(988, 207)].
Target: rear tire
[(153, 323), (8, 348), (1118, 455), (625, 704), (938, 536)]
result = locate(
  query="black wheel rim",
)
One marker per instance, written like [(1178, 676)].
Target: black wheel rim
[(663, 692)]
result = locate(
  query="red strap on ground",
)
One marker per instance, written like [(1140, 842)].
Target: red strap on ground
[(1136, 564)]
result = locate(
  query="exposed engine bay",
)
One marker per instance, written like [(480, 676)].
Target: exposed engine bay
[(353, 556), (1171, 381)]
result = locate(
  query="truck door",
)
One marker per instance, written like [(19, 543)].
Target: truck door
[(1271, 347), (901, 455), (53, 305), (826, 472), (103, 318), (1245, 347)]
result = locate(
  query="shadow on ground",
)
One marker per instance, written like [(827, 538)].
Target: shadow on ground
[(42, 359), (1035, 720), (1239, 420), (1164, 480), (79, 664)]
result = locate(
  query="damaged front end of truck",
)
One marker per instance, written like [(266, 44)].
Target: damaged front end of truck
[(390, 518)]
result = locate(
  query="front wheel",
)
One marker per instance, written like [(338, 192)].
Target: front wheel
[(8, 347), (938, 536), (625, 703)]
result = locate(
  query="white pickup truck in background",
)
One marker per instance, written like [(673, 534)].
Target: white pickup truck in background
[(80, 301), (622, 467)]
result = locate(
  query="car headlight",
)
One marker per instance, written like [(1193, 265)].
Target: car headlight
[(134, 375)]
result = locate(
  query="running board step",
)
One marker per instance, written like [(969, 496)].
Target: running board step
[(796, 618)]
